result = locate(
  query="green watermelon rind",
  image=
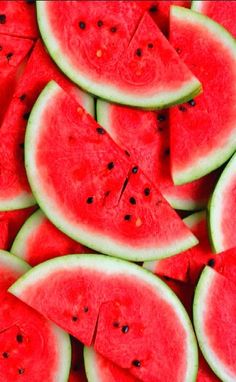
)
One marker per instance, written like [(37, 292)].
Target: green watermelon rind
[(90, 365), (197, 5), (190, 222), (110, 265), (199, 308), (208, 163), (82, 235), (63, 340), (109, 92), (216, 206), (23, 200), (177, 203), (19, 245)]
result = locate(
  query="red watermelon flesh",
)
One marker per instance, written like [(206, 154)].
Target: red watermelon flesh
[(101, 198), (13, 220), (77, 373), (14, 188), (39, 240), (205, 374), (13, 52), (4, 232), (224, 12), (184, 291), (145, 135), (114, 50), (28, 342), (18, 18), (203, 132)]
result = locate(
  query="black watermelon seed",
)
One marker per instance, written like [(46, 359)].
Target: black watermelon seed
[(192, 102), (74, 318), (19, 338), (127, 217), (136, 363), (150, 45), (9, 55), (2, 19), (113, 29), (5, 354), (21, 370), (132, 200), (167, 151), (127, 153), (125, 329), (161, 117), (139, 52), (135, 170), (110, 166), (147, 191), (89, 200), (100, 23), (82, 25), (86, 309), (211, 263), (153, 9), (100, 130), (116, 324), (26, 116), (182, 108), (22, 97)]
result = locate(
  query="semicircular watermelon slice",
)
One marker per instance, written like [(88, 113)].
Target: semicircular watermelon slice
[(223, 12), (87, 186), (39, 240), (130, 315), (145, 135), (203, 131), (114, 51), (31, 347), (214, 321), (223, 209)]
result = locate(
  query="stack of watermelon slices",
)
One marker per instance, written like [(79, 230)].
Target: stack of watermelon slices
[(88, 186)]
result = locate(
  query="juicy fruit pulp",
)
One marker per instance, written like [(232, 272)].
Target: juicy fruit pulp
[(206, 131), (110, 302), (113, 51), (90, 190), (27, 340)]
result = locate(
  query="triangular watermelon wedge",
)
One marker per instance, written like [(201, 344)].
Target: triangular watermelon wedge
[(87, 186), (13, 55), (15, 192), (106, 51), (203, 132)]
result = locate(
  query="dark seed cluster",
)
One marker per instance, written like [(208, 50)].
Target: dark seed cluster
[(2, 19), (90, 200), (136, 363), (153, 9), (82, 25), (138, 52), (211, 263)]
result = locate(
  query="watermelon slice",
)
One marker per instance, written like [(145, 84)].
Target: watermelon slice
[(131, 316), (205, 128), (145, 135), (100, 369), (214, 320), (105, 48), (18, 18), (28, 341), (224, 12), (13, 54), (39, 240), (223, 209), (15, 192), (88, 188)]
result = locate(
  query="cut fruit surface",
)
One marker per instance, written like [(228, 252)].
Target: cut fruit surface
[(28, 341), (223, 209), (203, 132), (223, 12), (214, 313), (112, 51), (100, 369), (18, 18), (39, 240), (13, 54), (88, 188), (131, 316), (15, 192), (145, 135)]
